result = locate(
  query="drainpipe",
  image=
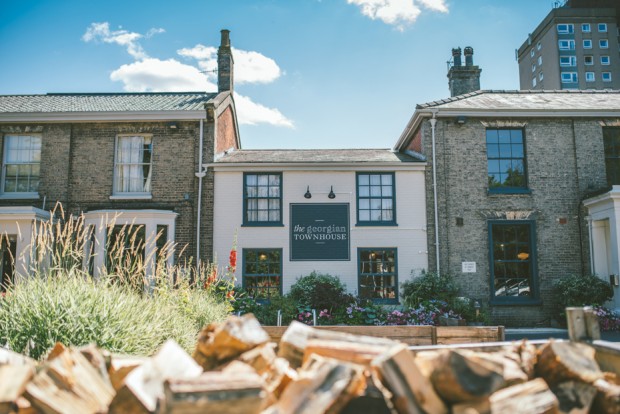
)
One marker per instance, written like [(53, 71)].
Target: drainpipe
[(200, 174), (433, 122), (592, 269)]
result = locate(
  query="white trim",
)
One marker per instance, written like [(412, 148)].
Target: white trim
[(19, 196), (103, 116), (24, 213), (131, 196), (387, 166)]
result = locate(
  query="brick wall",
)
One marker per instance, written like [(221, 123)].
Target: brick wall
[(565, 161), (226, 135)]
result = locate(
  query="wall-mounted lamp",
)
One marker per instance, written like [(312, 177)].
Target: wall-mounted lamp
[(262, 257), (461, 119), (173, 125), (331, 194), (308, 195)]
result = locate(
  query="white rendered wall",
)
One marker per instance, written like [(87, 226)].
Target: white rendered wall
[(409, 237)]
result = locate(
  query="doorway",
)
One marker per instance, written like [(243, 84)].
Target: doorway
[(8, 251)]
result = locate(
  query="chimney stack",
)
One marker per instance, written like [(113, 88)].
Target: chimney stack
[(225, 63), (463, 79)]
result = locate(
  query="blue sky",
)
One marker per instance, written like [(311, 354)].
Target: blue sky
[(309, 73)]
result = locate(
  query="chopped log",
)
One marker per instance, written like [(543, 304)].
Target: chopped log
[(215, 393), (145, 384), (473, 407), (324, 385), (574, 397), (260, 358), (98, 358), (528, 356), (362, 354), (427, 361), (219, 343), (296, 337), (69, 383), (465, 376), (532, 397), (372, 401), (55, 351), (512, 372), (565, 361), (411, 391), (24, 407), (607, 399), (120, 366), (13, 380), (279, 376), (13, 358)]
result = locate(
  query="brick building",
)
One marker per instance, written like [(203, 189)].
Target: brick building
[(127, 157), (506, 187)]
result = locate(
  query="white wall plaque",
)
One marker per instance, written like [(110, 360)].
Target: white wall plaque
[(468, 267)]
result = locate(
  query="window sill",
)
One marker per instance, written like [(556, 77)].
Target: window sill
[(515, 302), (376, 224), (131, 197), (19, 196), (509, 191), (263, 224)]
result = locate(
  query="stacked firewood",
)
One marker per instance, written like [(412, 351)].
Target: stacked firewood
[(236, 369)]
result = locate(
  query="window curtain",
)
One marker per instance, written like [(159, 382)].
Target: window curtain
[(131, 168)]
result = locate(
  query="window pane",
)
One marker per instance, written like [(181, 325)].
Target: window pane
[(262, 193), (506, 161), (373, 192)]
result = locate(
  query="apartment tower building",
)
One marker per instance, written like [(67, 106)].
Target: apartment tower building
[(574, 47)]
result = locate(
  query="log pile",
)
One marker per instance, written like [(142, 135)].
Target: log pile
[(235, 369)]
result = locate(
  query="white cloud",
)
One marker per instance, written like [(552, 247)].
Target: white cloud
[(154, 75), (252, 113), (250, 67), (151, 75), (399, 13), (101, 32)]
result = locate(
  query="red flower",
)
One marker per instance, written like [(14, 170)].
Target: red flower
[(232, 260), (229, 294)]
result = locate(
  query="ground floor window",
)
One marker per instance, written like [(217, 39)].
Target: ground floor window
[(377, 274), (8, 253), (512, 261), (125, 248), (262, 272)]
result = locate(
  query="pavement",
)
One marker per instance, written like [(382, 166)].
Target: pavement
[(514, 334)]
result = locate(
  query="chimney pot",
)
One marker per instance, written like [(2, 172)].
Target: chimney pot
[(225, 42), (456, 56), (469, 56)]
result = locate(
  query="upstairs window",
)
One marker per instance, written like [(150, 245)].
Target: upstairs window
[(590, 77), (603, 44), (568, 61), (588, 60), (262, 199), (611, 141), (606, 76), (506, 161), (376, 199), (569, 77), (566, 28), (534, 82), (605, 60), (538, 46), (602, 27), (21, 164), (532, 52), (566, 44), (587, 43), (132, 165), (586, 28)]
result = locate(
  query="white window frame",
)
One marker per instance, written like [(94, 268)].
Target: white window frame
[(566, 44), (603, 26), (588, 58), (31, 162), (573, 77), (586, 28), (119, 193), (566, 28), (587, 43), (569, 61), (605, 61), (606, 75), (590, 77), (534, 81), (603, 44), (102, 220)]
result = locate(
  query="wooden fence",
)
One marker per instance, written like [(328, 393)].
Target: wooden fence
[(413, 335)]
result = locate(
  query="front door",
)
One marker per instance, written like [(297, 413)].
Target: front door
[(8, 250)]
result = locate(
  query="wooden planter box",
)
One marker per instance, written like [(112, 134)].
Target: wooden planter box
[(413, 335)]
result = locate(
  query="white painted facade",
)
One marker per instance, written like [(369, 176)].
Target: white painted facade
[(604, 225), (408, 236)]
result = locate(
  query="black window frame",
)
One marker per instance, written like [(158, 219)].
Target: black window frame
[(534, 297), (246, 198), (245, 275), (612, 174), (505, 189), (361, 274), (361, 222)]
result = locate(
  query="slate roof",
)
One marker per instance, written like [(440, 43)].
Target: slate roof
[(315, 156), (564, 100), (104, 102)]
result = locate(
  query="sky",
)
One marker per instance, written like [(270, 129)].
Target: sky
[(308, 73)]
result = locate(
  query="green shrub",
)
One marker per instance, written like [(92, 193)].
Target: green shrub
[(581, 290), (320, 291), (429, 286), (38, 312)]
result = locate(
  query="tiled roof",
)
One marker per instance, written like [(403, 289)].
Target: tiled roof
[(104, 102), (565, 100), (315, 156)]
